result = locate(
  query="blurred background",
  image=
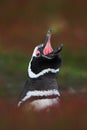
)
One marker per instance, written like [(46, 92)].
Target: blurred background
[(23, 25)]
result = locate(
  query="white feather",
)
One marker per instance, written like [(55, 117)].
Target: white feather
[(44, 103), (39, 93), (33, 75)]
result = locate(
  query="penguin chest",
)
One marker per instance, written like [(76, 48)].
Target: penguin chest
[(41, 104)]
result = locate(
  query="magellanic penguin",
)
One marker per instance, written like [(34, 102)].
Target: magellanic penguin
[(41, 88)]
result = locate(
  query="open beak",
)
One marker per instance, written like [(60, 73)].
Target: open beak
[(48, 50)]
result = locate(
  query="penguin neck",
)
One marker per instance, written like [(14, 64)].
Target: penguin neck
[(46, 82)]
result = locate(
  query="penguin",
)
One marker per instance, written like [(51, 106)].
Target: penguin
[(41, 87)]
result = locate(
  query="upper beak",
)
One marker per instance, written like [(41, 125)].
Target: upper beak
[(48, 49)]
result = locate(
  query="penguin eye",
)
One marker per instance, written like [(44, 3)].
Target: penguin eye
[(37, 53)]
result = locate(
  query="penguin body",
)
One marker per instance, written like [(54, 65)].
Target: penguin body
[(41, 88)]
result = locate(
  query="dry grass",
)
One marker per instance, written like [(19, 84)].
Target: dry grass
[(71, 115)]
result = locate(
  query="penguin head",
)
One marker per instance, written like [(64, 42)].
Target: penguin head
[(45, 59)]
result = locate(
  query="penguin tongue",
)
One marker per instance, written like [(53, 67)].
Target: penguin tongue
[(48, 49)]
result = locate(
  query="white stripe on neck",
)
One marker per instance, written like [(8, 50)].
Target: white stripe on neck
[(39, 93), (33, 75)]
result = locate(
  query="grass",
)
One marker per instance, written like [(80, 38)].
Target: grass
[(72, 113), (73, 71), (13, 71)]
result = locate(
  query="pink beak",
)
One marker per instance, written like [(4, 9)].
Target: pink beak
[(48, 49)]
